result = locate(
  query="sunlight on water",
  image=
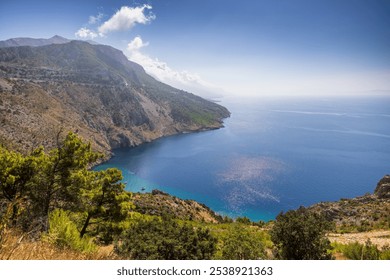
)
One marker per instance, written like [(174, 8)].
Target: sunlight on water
[(247, 181), (272, 156)]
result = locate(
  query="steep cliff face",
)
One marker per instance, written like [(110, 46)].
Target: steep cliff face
[(94, 90)]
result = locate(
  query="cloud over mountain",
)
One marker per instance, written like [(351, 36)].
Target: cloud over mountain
[(125, 18), (160, 70), (85, 33)]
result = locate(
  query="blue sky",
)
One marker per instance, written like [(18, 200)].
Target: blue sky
[(247, 47)]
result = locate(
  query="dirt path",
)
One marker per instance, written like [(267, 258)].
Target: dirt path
[(379, 238)]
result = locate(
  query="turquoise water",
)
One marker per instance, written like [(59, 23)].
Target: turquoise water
[(272, 155)]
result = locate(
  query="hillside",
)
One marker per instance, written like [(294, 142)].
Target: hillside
[(160, 203), (371, 211), (94, 90)]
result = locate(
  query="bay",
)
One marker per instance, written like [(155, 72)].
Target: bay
[(274, 154)]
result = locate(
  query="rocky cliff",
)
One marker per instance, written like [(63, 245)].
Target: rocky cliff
[(91, 89)]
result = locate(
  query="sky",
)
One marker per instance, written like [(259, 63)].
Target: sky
[(225, 47)]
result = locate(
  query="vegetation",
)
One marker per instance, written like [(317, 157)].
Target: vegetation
[(54, 200), (356, 251), (34, 188), (159, 203), (242, 244), (63, 232), (300, 235), (360, 214), (367, 251), (166, 239)]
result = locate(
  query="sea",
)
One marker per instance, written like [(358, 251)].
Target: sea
[(272, 155)]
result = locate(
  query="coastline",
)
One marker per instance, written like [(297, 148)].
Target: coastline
[(110, 153)]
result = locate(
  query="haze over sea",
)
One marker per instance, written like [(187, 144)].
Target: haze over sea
[(272, 155)]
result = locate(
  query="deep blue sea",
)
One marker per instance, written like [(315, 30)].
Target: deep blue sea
[(272, 155)]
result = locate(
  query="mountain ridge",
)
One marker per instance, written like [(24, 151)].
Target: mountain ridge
[(33, 42), (94, 90)]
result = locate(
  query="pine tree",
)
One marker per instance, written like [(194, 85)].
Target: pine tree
[(32, 186), (16, 171), (52, 185), (102, 197)]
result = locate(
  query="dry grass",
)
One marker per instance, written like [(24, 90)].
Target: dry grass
[(380, 238), (16, 246)]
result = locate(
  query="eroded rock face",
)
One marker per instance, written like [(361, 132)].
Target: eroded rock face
[(383, 188)]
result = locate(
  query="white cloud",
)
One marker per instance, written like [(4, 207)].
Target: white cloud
[(161, 71), (95, 19), (85, 33), (136, 44), (126, 18)]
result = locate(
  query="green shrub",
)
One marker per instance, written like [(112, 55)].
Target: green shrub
[(300, 235), (357, 251), (165, 239), (243, 220), (63, 233), (243, 244), (385, 253)]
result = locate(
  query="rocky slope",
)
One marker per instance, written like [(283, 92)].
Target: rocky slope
[(160, 203), (371, 211), (93, 90)]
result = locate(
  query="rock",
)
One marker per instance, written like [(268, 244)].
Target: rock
[(158, 192), (383, 188)]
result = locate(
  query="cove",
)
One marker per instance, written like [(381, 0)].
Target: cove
[(272, 155)]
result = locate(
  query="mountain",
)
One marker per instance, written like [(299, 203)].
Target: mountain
[(93, 90), (17, 42)]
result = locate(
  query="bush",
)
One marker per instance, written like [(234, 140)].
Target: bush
[(385, 253), (243, 220), (63, 233), (165, 239), (300, 235), (242, 244), (357, 251)]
